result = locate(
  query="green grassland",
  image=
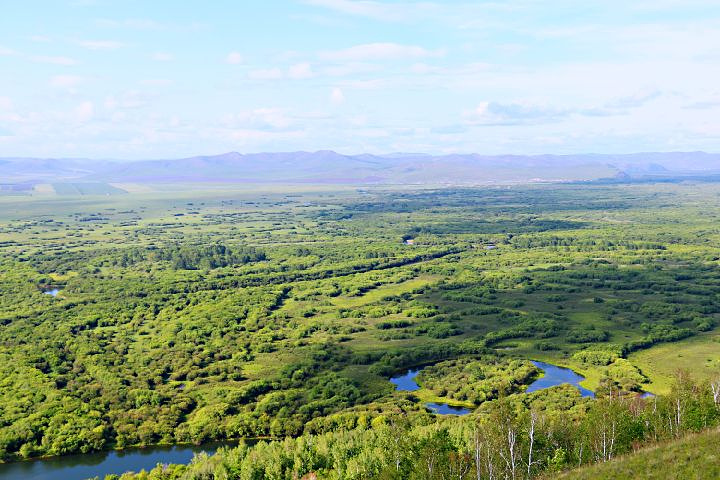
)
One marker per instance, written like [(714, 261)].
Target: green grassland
[(246, 311), (699, 355), (86, 189), (695, 457)]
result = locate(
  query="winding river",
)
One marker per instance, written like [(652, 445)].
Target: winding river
[(78, 467), (552, 376), (407, 383)]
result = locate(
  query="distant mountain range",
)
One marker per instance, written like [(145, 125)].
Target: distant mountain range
[(333, 168)]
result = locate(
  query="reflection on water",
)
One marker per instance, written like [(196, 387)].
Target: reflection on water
[(555, 375), (445, 409), (406, 382), (79, 467), (52, 292)]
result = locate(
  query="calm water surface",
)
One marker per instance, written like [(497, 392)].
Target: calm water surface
[(445, 409), (80, 467), (407, 383), (555, 375), (52, 292)]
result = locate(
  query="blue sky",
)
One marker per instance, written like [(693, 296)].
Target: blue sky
[(161, 79)]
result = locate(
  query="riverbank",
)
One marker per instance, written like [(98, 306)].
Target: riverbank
[(105, 462)]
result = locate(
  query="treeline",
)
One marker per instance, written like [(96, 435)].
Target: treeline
[(325, 273), (509, 439), (185, 256), (389, 363), (192, 257)]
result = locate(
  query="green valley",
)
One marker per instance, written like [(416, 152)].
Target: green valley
[(281, 313)]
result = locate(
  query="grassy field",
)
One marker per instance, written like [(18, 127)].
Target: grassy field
[(699, 356), (696, 457)]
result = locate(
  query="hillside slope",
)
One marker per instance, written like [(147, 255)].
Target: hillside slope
[(693, 457)]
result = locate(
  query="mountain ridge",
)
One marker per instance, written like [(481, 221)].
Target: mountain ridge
[(328, 166)]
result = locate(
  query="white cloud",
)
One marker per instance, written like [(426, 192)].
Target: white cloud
[(516, 113), (351, 68), (604, 82), (65, 81), (380, 51), (7, 51), (264, 119), (58, 60), (134, 23), (163, 57), (704, 104), (370, 84), (266, 74), (234, 58), (258, 138), (100, 44), (337, 97), (371, 9), (157, 82), (300, 71), (131, 99), (530, 113), (6, 104), (85, 111)]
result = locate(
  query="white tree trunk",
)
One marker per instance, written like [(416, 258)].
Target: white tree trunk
[(531, 435)]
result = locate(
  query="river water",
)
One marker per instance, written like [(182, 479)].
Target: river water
[(83, 466), (407, 383), (79, 467), (555, 375)]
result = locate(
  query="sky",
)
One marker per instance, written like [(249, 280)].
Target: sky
[(141, 79)]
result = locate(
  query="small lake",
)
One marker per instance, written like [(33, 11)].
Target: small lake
[(445, 409), (407, 383), (83, 466), (52, 292), (555, 375)]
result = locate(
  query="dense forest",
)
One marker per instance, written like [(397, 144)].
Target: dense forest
[(512, 438), (282, 316)]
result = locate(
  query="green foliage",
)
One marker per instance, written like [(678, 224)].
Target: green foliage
[(477, 379), (604, 355), (193, 317), (508, 439)]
